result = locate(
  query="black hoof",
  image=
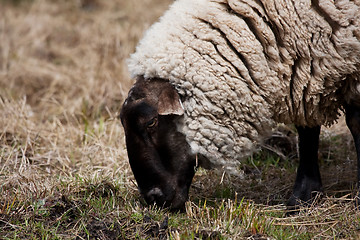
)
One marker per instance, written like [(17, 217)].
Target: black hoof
[(296, 203)]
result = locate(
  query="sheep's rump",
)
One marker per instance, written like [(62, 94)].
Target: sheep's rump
[(242, 65)]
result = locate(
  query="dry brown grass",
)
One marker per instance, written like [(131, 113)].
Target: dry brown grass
[(62, 82), (62, 154)]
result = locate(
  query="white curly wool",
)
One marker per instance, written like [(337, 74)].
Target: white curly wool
[(240, 66)]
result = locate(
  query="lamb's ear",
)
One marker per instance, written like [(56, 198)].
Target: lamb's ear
[(169, 102)]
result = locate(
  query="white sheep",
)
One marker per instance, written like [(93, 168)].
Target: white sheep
[(240, 66)]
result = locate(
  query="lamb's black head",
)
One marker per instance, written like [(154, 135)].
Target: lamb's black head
[(159, 155)]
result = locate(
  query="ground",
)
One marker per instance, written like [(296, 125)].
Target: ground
[(64, 172)]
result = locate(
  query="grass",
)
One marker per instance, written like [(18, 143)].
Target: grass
[(63, 165)]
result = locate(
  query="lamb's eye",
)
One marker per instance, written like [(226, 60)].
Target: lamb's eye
[(152, 123)]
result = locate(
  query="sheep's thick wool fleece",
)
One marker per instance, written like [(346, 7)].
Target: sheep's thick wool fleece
[(242, 65)]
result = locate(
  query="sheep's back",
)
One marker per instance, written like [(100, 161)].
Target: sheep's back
[(241, 65)]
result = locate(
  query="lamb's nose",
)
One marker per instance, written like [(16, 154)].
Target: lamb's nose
[(155, 195)]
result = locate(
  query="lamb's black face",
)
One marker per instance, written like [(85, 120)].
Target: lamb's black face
[(159, 155)]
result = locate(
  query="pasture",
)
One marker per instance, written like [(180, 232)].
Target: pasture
[(64, 172)]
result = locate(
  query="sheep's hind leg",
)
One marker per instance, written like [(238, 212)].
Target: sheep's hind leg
[(353, 121), (308, 180)]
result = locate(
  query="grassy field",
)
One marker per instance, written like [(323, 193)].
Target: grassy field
[(64, 172)]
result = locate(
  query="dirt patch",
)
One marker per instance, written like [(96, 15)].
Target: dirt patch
[(62, 208), (156, 229), (209, 235), (96, 229)]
